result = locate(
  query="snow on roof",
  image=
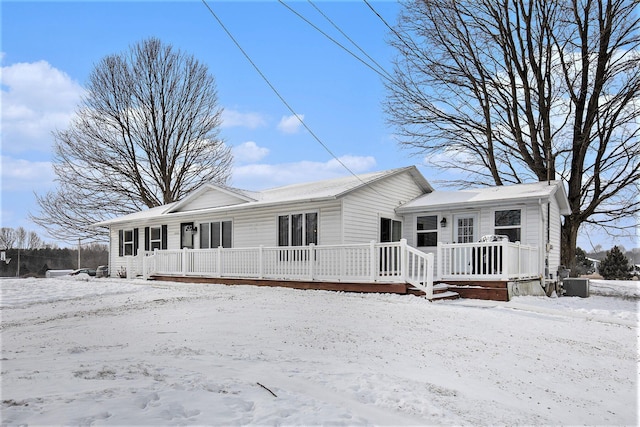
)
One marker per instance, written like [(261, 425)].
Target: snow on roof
[(310, 191), (438, 200)]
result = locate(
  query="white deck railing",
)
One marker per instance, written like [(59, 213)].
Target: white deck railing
[(487, 261), (374, 263)]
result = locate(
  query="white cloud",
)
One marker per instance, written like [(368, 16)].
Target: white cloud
[(261, 176), (234, 118), (290, 124), (36, 100), (25, 175), (249, 152)]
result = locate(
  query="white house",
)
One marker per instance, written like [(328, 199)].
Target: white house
[(376, 227)]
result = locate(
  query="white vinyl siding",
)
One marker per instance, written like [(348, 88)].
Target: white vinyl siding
[(364, 207)]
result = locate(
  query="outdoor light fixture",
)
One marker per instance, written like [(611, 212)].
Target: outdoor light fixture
[(443, 222)]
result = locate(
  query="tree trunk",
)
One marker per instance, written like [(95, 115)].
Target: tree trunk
[(568, 241)]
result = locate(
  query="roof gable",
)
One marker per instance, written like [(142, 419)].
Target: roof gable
[(211, 196)]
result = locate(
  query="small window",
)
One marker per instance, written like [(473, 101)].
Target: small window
[(216, 234), (427, 230), (155, 238), (298, 229), (128, 242), (508, 223), (390, 230)]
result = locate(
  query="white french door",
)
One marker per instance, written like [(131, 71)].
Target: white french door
[(465, 230)]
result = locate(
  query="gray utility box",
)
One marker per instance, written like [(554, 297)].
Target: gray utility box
[(574, 287)]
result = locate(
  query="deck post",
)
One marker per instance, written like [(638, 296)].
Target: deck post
[(440, 267), (219, 256), (184, 261), (261, 262), (504, 259), (429, 284), (404, 260), (372, 261), (312, 247)]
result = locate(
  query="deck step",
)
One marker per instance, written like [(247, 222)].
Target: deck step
[(441, 292), (447, 295)]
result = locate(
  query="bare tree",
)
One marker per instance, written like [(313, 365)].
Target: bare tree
[(510, 91), (34, 241), (21, 238), (7, 238), (145, 134)]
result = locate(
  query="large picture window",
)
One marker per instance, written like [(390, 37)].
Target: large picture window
[(427, 230), (298, 229), (216, 234), (509, 223)]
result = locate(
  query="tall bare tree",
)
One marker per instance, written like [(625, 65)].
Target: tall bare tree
[(509, 91), (145, 134)]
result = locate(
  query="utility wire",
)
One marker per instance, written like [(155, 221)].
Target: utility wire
[(246, 55), (393, 30), (388, 76), (382, 73)]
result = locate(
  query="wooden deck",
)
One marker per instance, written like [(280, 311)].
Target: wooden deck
[(390, 288)]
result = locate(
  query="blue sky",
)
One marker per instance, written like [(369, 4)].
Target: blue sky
[(49, 48)]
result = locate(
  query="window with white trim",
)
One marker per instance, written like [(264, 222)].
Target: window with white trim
[(509, 223), (155, 238), (390, 230), (216, 234), (427, 230), (298, 229), (128, 242)]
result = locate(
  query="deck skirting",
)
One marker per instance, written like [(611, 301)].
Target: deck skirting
[(389, 288)]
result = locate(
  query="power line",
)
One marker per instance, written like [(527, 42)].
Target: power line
[(255, 66), (382, 73), (387, 75)]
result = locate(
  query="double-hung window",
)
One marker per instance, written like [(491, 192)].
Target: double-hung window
[(298, 229), (216, 234), (509, 223), (155, 238), (427, 230), (128, 242)]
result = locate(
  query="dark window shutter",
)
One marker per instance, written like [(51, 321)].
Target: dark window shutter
[(164, 236), (147, 237), (120, 242), (135, 241)]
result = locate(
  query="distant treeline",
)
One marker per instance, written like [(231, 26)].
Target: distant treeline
[(36, 262)]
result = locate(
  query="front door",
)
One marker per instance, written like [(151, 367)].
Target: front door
[(465, 230), (186, 235)]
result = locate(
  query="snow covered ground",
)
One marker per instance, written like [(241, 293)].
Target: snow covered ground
[(128, 352)]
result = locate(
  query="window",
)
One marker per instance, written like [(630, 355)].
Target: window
[(155, 238), (298, 229), (390, 230), (508, 223), (465, 229), (128, 242), (427, 230), (216, 234)]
